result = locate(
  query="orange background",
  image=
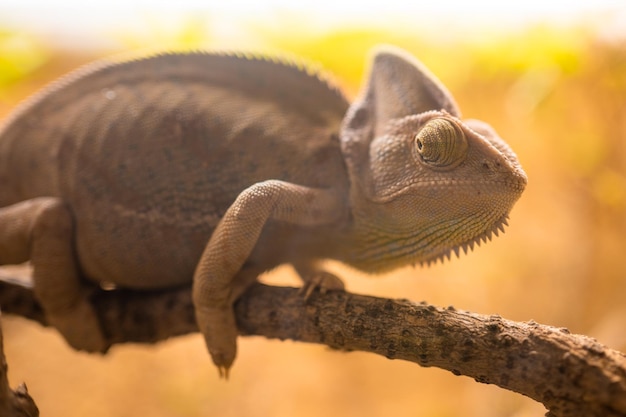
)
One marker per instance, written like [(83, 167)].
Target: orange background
[(557, 94)]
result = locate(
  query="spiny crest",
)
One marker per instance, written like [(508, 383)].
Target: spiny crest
[(497, 228), (286, 60)]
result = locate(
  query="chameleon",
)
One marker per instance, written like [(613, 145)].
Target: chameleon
[(207, 169)]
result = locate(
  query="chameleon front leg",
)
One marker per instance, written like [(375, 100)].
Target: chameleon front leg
[(216, 282), (42, 230)]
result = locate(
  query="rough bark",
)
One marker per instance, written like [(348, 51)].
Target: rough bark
[(572, 375)]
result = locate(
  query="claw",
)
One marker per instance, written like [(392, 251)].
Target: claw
[(223, 372), (223, 368), (322, 281), (307, 289), (220, 334)]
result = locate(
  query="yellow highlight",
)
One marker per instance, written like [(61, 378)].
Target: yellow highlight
[(609, 189), (558, 97)]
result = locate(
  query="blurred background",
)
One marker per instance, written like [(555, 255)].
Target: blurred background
[(549, 76)]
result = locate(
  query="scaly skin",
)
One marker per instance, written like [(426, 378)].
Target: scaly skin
[(211, 169)]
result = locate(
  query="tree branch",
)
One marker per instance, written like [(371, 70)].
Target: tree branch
[(572, 375), (16, 403)]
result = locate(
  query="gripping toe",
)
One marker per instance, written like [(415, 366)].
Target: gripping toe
[(219, 329), (322, 281)]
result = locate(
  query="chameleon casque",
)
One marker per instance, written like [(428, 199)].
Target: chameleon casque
[(209, 169)]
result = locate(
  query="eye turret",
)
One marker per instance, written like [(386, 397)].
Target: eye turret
[(441, 143)]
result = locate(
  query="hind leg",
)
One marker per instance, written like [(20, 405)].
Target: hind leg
[(41, 230)]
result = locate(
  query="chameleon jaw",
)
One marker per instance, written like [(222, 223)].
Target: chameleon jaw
[(497, 228)]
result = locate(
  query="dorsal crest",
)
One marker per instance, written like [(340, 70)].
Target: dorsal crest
[(296, 83)]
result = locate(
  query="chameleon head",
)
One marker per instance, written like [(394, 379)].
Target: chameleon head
[(424, 182)]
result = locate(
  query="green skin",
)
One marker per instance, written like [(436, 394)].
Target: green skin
[(211, 169)]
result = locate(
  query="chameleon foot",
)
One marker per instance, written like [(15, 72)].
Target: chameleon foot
[(81, 328), (220, 335), (322, 281)]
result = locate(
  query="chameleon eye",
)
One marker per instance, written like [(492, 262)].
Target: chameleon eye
[(441, 143)]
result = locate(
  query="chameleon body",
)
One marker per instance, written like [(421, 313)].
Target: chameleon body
[(209, 169)]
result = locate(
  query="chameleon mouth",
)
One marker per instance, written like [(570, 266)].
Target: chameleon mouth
[(496, 228)]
